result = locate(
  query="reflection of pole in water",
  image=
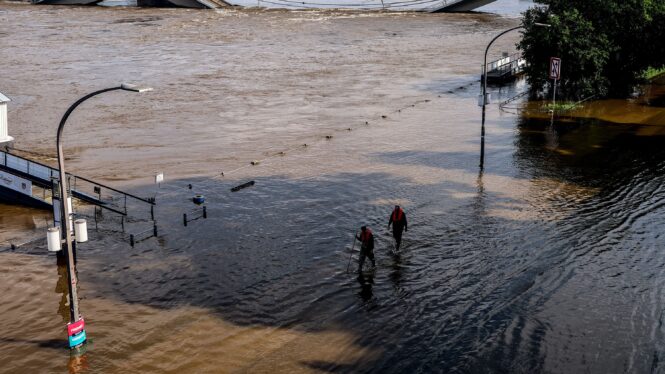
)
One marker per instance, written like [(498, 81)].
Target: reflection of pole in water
[(366, 284), (396, 275), (78, 361), (479, 201)]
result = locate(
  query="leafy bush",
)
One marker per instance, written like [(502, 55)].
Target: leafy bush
[(605, 45)]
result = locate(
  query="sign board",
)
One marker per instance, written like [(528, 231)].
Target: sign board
[(555, 68), (15, 183), (159, 178), (76, 327), (78, 339), (488, 96)]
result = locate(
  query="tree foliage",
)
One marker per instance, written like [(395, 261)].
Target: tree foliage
[(605, 45)]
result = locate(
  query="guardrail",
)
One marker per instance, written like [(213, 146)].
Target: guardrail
[(140, 236), (82, 188), (195, 214), (507, 66)]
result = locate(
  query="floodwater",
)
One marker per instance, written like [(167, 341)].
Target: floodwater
[(547, 261)]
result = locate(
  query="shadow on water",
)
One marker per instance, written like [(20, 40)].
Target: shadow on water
[(275, 254), (467, 291)]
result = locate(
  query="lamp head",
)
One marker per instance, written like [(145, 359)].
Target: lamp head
[(135, 88)]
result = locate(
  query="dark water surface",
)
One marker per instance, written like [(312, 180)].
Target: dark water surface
[(547, 262)]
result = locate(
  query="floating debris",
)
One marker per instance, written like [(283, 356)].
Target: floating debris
[(240, 187)]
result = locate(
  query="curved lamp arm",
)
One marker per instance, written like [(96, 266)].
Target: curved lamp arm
[(64, 206)]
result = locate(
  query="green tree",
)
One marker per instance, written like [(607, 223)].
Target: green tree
[(605, 45)]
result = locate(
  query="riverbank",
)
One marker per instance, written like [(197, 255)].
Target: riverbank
[(645, 110)]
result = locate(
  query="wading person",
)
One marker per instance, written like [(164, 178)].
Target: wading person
[(367, 248), (398, 220)]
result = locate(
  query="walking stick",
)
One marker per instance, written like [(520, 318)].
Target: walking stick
[(352, 248)]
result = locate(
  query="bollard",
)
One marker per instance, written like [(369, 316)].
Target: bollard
[(205, 212), (154, 229), (131, 240), (184, 219)]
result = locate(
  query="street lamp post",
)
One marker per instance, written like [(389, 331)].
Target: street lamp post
[(482, 130), (64, 206)]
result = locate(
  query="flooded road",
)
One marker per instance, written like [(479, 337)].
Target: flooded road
[(546, 261)]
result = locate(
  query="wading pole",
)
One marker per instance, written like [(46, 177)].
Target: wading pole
[(352, 248)]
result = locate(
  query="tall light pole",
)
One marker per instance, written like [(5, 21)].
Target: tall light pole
[(482, 130), (65, 223)]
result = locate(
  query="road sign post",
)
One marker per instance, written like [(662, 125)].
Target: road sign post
[(76, 332), (555, 74)]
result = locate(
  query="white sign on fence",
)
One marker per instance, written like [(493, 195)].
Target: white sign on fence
[(159, 178), (15, 183)]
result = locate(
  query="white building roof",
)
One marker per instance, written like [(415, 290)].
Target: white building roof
[(3, 98)]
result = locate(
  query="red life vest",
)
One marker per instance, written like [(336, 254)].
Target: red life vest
[(397, 215), (365, 236)]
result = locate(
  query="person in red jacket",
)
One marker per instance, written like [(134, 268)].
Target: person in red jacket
[(367, 248), (398, 220)]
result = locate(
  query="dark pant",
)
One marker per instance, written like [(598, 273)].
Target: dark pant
[(365, 252), (397, 234)]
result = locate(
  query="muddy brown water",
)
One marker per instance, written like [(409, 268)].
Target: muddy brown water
[(547, 261)]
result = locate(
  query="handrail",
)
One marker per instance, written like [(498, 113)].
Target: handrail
[(506, 102), (515, 57), (149, 201), (52, 170)]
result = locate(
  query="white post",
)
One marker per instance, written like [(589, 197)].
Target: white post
[(554, 97)]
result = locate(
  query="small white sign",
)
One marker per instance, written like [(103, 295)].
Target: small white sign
[(15, 183), (488, 97), (159, 178), (555, 68)]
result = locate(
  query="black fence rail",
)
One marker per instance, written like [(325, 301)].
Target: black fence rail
[(194, 214), (140, 236)]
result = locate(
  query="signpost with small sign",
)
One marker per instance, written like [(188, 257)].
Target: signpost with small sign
[(76, 332), (159, 178), (555, 74)]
